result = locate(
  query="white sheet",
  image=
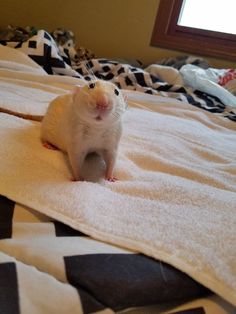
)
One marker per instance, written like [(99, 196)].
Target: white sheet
[(175, 199)]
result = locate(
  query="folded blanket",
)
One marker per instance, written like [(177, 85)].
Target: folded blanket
[(175, 198)]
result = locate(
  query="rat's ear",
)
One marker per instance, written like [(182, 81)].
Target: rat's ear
[(124, 95), (75, 91)]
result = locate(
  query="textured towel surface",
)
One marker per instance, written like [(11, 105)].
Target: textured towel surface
[(175, 199)]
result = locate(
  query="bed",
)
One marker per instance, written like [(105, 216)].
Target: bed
[(159, 240)]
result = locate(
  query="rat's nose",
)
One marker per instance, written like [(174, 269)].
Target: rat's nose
[(102, 104), (102, 108)]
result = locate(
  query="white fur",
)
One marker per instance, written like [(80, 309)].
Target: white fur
[(76, 124)]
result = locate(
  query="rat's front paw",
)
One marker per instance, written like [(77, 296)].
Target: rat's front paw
[(111, 179), (49, 146), (76, 180)]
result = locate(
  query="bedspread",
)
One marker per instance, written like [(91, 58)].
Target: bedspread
[(43, 50), (174, 201), (41, 257)]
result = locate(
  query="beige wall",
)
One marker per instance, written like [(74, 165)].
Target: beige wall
[(111, 28)]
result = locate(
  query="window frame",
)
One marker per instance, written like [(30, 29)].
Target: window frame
[(168, 34)]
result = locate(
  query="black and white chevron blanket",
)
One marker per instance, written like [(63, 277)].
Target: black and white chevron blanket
[(43, 49), (48, 267)]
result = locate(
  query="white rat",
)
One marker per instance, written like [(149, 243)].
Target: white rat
[(84, 121), (87, 120)]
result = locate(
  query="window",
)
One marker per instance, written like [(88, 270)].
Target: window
[(172, 30), (191, 10)]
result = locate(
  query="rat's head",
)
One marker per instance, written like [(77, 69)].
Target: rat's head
[(99, 101)]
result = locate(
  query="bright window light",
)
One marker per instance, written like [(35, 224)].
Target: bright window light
[(210, 15)]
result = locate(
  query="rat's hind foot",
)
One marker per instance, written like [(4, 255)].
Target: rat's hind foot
[(49, 146)]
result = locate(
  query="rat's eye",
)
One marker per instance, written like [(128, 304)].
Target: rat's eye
[(92, 85), (116, 92)]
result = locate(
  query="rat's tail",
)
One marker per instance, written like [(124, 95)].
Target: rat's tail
[(22, 115)]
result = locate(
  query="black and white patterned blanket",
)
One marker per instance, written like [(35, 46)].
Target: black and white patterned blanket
[(47, 267), (43, 49)]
